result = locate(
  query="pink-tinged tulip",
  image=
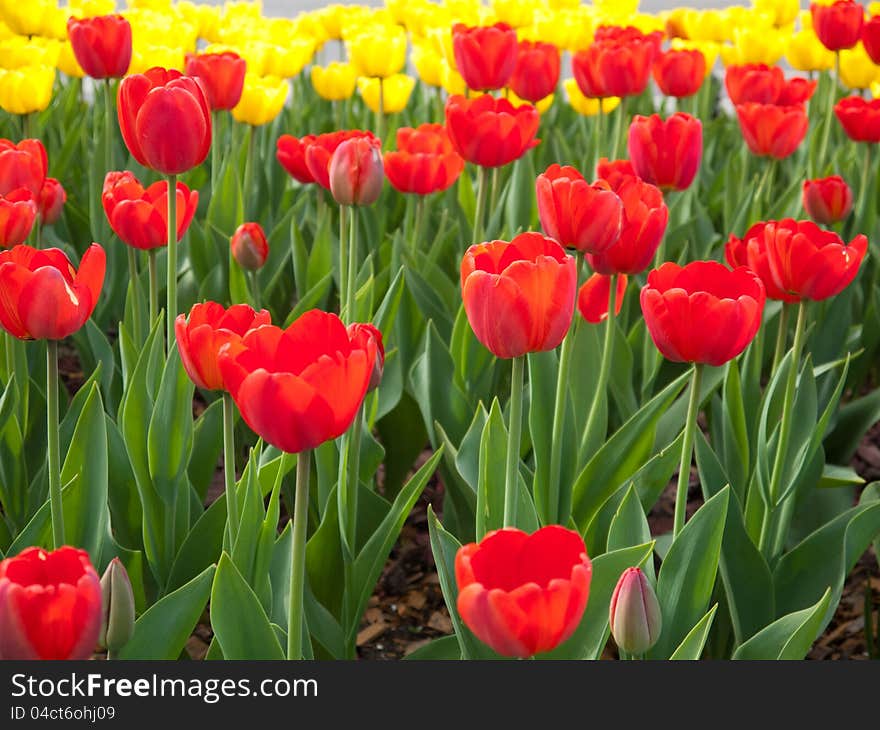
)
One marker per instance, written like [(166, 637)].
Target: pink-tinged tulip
[(634, 616), (249, 246), (356, 172)]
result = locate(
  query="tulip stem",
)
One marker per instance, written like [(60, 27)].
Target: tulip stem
[(863, 192), (347, 491), (380, 110), (298, 556), (829, 113), (154, 286), (249, 167), (481, 204), (587, 439), (619, 128), (419, 221), (171, 280), (108, 125), (687, 451), (215, 151), (343, 259), (232, 514), (781, 337), (351, 285), (256, 291), (135, 295), (555, 512), (53, 443), (514, 436), (597, 136)]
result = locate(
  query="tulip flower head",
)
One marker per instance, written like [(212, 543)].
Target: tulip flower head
[(50, 605), (101, 44), (396, 91), (490, 132), (18, 211), (614, 171), (335, 81), (860, 118), (22, 165), (308, 159), (485, 56), (838, 25), (666, 153), (634, 615), (250, 249), (356, 172), (51, 202), (827, 200), (770, 130), (523, 594), (594, 296), (262, 99), (871, 38), (117, 607), (680, 73), (536, 73), (425, 161), (222, 76)]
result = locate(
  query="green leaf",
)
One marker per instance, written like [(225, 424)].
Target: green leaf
[(691, 648), (493, 463), (162, 632), (543, 368), (446, 647), (789, 637), (630, 526)]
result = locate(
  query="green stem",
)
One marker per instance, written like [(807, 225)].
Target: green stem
[(108, 125), (249, 191), (380, 112), (343, 258), (620, 129), (494, 191), (604, 372), (781, 337), (763, 186), (256, 290), (9, 344), (481, 204), (350, 293), (154, 286), (597, 136), (557, 513), (347, 491), (171, 280), (863, 191), (232, 514), (298, 556), (419, 222), (136, 294), (514, 434), (829, 114), (687, 451), (215, 150), (53, 443)]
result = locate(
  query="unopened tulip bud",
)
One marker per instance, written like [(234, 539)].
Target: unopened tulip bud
[(635, 613), (117, 604), (827, 200), (52, 200), (357, 172), (249, 246), (362, 333)]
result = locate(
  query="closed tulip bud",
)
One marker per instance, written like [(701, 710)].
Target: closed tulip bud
[(117, 607), (634, 616), (356, 172), (102, 45), (828, 200), (52, 200), (364, 335), (249, 246)]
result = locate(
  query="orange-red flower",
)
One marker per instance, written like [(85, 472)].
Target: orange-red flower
[(860, 118), (838, 25), (585, 67), (827, 200), (680, 73), (762, 84), (209, 327), (702, 312), (523, 594), (44, 297), (18, 211), (425, 161), (519, 296), (221, 74), (578, 214), (165, 120), (666, 153), (291, 153), (485, 56), (624, 66), (770, 130), (614, 171), (249, 246), (140, 217), (316, 152), (50, 605), (22, 165), (645, 216), (356, 172), (871, 38), (490, 132), (798, 260), (301, 386), (595, 295), (52, 199), (537, 70), (101, 44)]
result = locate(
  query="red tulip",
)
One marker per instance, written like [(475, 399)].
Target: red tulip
[(485, 56), (523, 594), (249, 246), (624, 67), (871, 38), (770, 130), (585, 67), (628, 34), (614, 171), (595, 295), (22, 165), (165, 120), (578, 214), (209, 327), (645, 216), (796, 91), (753, 82), (666, 153), (44, 297), (18, 211), (827, 200), (702, 312), (221, 74), (356, 172), (140, 217), (50, 605), (52, 200), (291, 153), (361, 334), (101, 44), (302, 386), (680, 73), (490, 132), (798, 260), (519, 296), (319, 151), (839, 25), (860, 118), (537, 70), (425, 161)]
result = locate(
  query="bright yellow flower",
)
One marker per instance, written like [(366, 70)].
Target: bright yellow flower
[(288, 60), (587, 105), (874, 8), (242, 10), (20, 51), (441, 38), (516, 13), (26, 90), (335, 81), (359, 19), (706, 25), (709, 49), (575, 29), (754, 45), (149, 4), (67, 63), (857, 70), (204, 18), (452, 81), (262, 99), (875, 87), (330, 18), (379, 52), (91, 8), (144, 57), (542, 105), (805, 52), (32, 17), (563, 4), (428, 64), (396, 91), (783, 12)]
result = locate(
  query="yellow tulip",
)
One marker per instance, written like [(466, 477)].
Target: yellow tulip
[(587, 105), (542, 105), (452, 81), (262, 99), (19, 51), (396, 91), (67, 63), (516, 13), (32, 17), (575, 29), (754, 45), (874, 8), (563, 4), (783, 12), (857, 70), (330, 18), (428, 64), (335, 81), (706, 25), (875, 87), (441, 38), (149, 4), (805, 52), (91, 8), (378, 53), (242, 10), (709, 49), (27, 89), (288, 60), (144, 57), (204, 18)]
